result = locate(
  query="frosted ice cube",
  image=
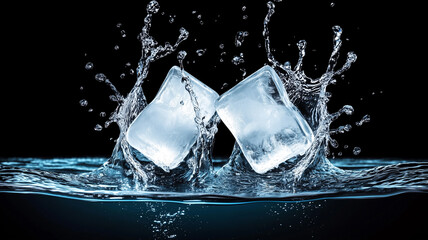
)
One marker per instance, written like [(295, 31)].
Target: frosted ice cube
[(267, 126), (165, 130)]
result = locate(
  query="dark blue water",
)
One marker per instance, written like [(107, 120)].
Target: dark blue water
[(49, 217)]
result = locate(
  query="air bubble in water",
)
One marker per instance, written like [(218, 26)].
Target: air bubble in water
[(83, 103), (89, 66), (100, 77)]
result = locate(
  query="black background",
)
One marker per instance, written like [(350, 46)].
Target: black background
[(45, 49)]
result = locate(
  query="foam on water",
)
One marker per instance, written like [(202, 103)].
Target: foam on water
[(127, 174)]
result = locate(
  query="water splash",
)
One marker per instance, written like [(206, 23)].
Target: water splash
[(130, 106), (311, 97), (127, 174)]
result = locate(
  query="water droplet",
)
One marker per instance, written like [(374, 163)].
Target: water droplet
[(238, 59), (181, 102), (81, 88), (201, 22), (332, 4), (181, 55), (98, 128), (221, 46), (131, 71), (348, 109), (348, 127), (245, 17), (224, 85), (199, 16), (240, 37), (201, 52), (122, 33), (89, 66), (171, 19), (113, 98), (153, 7), (83, 103), (184, 34), (119, 25), (363, 120), (352, 57), (100, 77), (102, 114), (122, 75), (193, 12), (356, 150), (116, 47), (244, 8), (345, 146)]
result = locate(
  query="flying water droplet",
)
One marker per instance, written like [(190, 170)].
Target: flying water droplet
[(238, 59), (103, 114), (181, 55), (153, 7), (201, 52), (240, 37), (89, 66), (100, 77), (356, 150), (83, 103), (98, 128), (365, 119), (122, 33)]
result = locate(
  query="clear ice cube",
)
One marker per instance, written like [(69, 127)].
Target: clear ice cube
[(165, 130), (267, 126)]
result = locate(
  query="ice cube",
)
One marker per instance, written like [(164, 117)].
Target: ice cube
[(165, 130), (267, 126)]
